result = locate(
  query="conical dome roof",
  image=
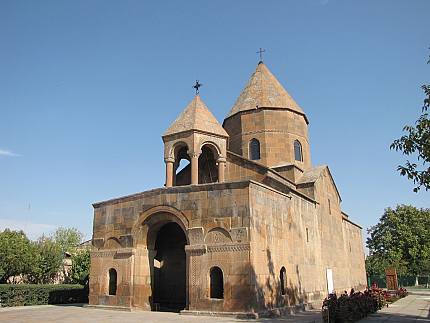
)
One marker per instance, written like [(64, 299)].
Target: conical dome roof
[(264, 91), (196, 116)]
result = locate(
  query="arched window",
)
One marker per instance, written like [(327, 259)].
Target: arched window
[(112, 281), (298, 154), (208, 169), (254, 149), (283, 279), (182, 166), (217, 283)]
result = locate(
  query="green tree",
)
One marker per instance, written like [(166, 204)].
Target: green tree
[(80, 267), (416, 143), (67, 238), (48, 261), (401, 240), (16, 254)]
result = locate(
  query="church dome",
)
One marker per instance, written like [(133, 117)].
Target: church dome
[(267, 125), (263, 90)]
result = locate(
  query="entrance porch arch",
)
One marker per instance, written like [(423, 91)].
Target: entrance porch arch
[(162, 231), (157, 216)]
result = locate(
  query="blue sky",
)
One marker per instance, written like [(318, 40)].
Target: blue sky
[(88, 87)]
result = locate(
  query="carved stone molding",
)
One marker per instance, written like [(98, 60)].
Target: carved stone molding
[(117, 254), (98, 242), (195, 235), (228, 248), (103, 254), (126, 240), (125, 252), (195, 250), (239, 235)]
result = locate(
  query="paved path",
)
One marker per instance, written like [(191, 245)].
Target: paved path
[(69, 314), (412, 308)]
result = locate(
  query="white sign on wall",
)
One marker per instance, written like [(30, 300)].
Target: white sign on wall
[(330, 287)]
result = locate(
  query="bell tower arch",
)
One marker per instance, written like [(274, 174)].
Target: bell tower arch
[(198, 137)]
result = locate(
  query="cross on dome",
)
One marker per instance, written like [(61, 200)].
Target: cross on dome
[(197, 86), (261, 51)]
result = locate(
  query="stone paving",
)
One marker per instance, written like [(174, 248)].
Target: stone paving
[(68, 314), (413, 308)]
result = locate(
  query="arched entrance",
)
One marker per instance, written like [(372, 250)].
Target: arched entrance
[(169, 268)]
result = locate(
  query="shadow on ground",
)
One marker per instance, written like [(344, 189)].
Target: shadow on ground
[(70, 305)]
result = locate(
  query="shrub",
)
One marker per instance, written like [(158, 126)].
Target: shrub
[(23, 294)]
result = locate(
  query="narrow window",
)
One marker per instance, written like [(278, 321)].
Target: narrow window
[(307, 235), (254, 149), (112, 281), (329, 206), (217, 283), (298, 155), (283, 279)]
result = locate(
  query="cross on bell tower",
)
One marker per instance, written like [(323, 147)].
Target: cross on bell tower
[(261, 51)]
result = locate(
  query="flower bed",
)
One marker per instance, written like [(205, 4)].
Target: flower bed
[(357, 305)]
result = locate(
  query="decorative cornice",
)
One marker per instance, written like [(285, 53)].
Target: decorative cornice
[(175, 189), (258, 109)]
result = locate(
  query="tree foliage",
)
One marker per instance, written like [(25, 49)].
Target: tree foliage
[(416, 143), (401, 240), (80, 267), (67, 238), (48, 259), (38, 261), (16, 254)]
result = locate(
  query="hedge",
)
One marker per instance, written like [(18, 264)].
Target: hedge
[(403, 281), (34, 294)]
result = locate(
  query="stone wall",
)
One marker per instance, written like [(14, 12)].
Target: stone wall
[(356, 258), (336, 237), (247, 229), (215, 218), (306, 238), (278, 239)]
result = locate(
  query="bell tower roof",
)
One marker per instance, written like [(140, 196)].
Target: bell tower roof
[(263, 90), (196, 116)]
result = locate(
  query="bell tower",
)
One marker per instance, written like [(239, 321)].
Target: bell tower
[(266, 124), (197, 137)]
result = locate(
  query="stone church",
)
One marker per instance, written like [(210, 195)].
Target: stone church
[(244, 224)]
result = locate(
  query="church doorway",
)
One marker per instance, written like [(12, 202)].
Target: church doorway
[(169, 275)]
